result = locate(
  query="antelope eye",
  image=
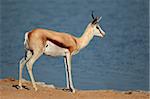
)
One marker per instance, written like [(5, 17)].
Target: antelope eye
[(97, 27)]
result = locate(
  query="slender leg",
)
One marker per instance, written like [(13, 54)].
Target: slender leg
[(67, 82), (22, 63), (30, 63), (68, 73)]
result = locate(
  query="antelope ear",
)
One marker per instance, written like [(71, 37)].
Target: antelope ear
[(99, 19), (95, 21)]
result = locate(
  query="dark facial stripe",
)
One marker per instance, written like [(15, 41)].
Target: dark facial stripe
[(99, 30)]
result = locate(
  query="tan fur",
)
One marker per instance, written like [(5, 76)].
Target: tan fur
[(41, 41), (38, 38)]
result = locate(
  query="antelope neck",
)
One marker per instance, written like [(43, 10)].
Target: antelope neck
[(86, 37)]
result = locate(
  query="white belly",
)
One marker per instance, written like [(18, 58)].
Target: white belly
[(54, 50)]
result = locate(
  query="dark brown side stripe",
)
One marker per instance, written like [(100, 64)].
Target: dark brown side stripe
[(58, 43)]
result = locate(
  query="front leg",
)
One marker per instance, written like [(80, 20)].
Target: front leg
[(67, 61)]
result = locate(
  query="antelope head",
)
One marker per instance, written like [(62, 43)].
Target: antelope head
[(97, 30)]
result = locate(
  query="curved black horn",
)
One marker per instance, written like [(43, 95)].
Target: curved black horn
[(93, 15)]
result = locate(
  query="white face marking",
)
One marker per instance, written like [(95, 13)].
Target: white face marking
[(54, 50), (98, 31)]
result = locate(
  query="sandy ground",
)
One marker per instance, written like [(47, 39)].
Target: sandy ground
[(8, 90)]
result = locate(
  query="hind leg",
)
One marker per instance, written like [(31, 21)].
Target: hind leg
[(30, 63), (22, 62)]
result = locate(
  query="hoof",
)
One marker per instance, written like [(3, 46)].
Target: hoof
[(73, 90), (35, 89), (17, 86), (69, 90), (20, 87)]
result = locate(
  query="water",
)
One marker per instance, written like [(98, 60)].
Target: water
[(119, 61)]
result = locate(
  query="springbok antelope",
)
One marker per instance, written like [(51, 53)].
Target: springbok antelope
[(41, 41)]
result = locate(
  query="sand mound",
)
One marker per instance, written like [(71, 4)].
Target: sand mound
[(8, 90)]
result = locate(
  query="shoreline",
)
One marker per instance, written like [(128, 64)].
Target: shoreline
[(8, 89)]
